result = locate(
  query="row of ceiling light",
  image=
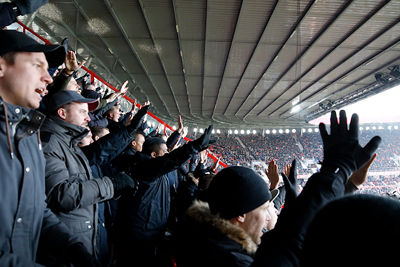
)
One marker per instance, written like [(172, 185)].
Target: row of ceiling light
[(287, 131)]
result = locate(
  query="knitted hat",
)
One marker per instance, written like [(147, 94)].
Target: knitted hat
[(235, 191)]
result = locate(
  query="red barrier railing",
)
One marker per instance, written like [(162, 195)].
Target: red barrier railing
[(94, 75)]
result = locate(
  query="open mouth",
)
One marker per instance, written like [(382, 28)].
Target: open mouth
[(41, 91)]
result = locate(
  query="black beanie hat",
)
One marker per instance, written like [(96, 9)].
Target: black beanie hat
[(235, 191)]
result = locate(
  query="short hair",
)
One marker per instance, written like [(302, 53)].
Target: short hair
[(152, 144), (10, 57), (55, 111), (136, 133), (98, 131), (108, 112)]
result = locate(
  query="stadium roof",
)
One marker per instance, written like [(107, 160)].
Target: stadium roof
[(234, 63)]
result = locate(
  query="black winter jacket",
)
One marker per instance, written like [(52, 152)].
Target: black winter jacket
[(145, 215), (72, 192)]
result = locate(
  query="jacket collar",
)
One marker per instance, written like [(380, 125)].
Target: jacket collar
[(200, 212), (69, 133), (17, 114)]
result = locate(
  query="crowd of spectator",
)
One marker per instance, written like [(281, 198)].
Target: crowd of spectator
[(245, 150)]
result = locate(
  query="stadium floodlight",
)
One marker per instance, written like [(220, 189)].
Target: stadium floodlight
[(396, 127), (213, 131), (380, 128), (267, 131), (236, 131), (254, 131), (218, 131), (274, 131), (280, 131), (241, 131), (293, 130), (248, 131), (316, 130), (174, 127), (287, 131), (309, 130), (195, 130), (201, 130), (303, 130), (367, 128), (389, 127), (230, 132), (361, 128), (373, 127)]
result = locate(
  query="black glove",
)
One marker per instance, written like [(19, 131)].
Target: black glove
[(29, 6), (122, 181), (79, 256), (342, 152), (137, 119), (203, 141), (290, 184)]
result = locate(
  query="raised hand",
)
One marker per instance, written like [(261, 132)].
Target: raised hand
[(290, 182), (273, 175), (342, 151), (180, 124), (124, 88), (71, 63), (203, 141), (359, 176)]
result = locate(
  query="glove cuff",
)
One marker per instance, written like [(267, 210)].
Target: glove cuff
[(337, 167)]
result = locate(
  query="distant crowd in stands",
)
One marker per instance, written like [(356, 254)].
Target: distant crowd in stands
[(307, 148)]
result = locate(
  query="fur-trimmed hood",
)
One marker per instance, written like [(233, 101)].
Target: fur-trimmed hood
[(200, 213)]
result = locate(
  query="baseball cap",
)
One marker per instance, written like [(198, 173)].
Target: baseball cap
[(56, 100), (14, 41)]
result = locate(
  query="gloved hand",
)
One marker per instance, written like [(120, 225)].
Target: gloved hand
[(290, 184), (122, 181), (80, 257), (29, 6), (342, 152), (203, 141), (136, 121)]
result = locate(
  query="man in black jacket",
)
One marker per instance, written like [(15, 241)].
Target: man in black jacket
[(25, 217), (142, 218), (72, 191), (216, 233)]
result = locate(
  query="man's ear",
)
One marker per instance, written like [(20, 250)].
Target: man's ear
[(96, 138), (133, 143), (238, 220), (241, 218), (153, 154), (62, 113)]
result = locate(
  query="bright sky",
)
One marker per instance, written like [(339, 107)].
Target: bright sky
[(380, 108)]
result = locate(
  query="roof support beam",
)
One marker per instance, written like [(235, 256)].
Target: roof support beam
[(126, 37), (366, 19)]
